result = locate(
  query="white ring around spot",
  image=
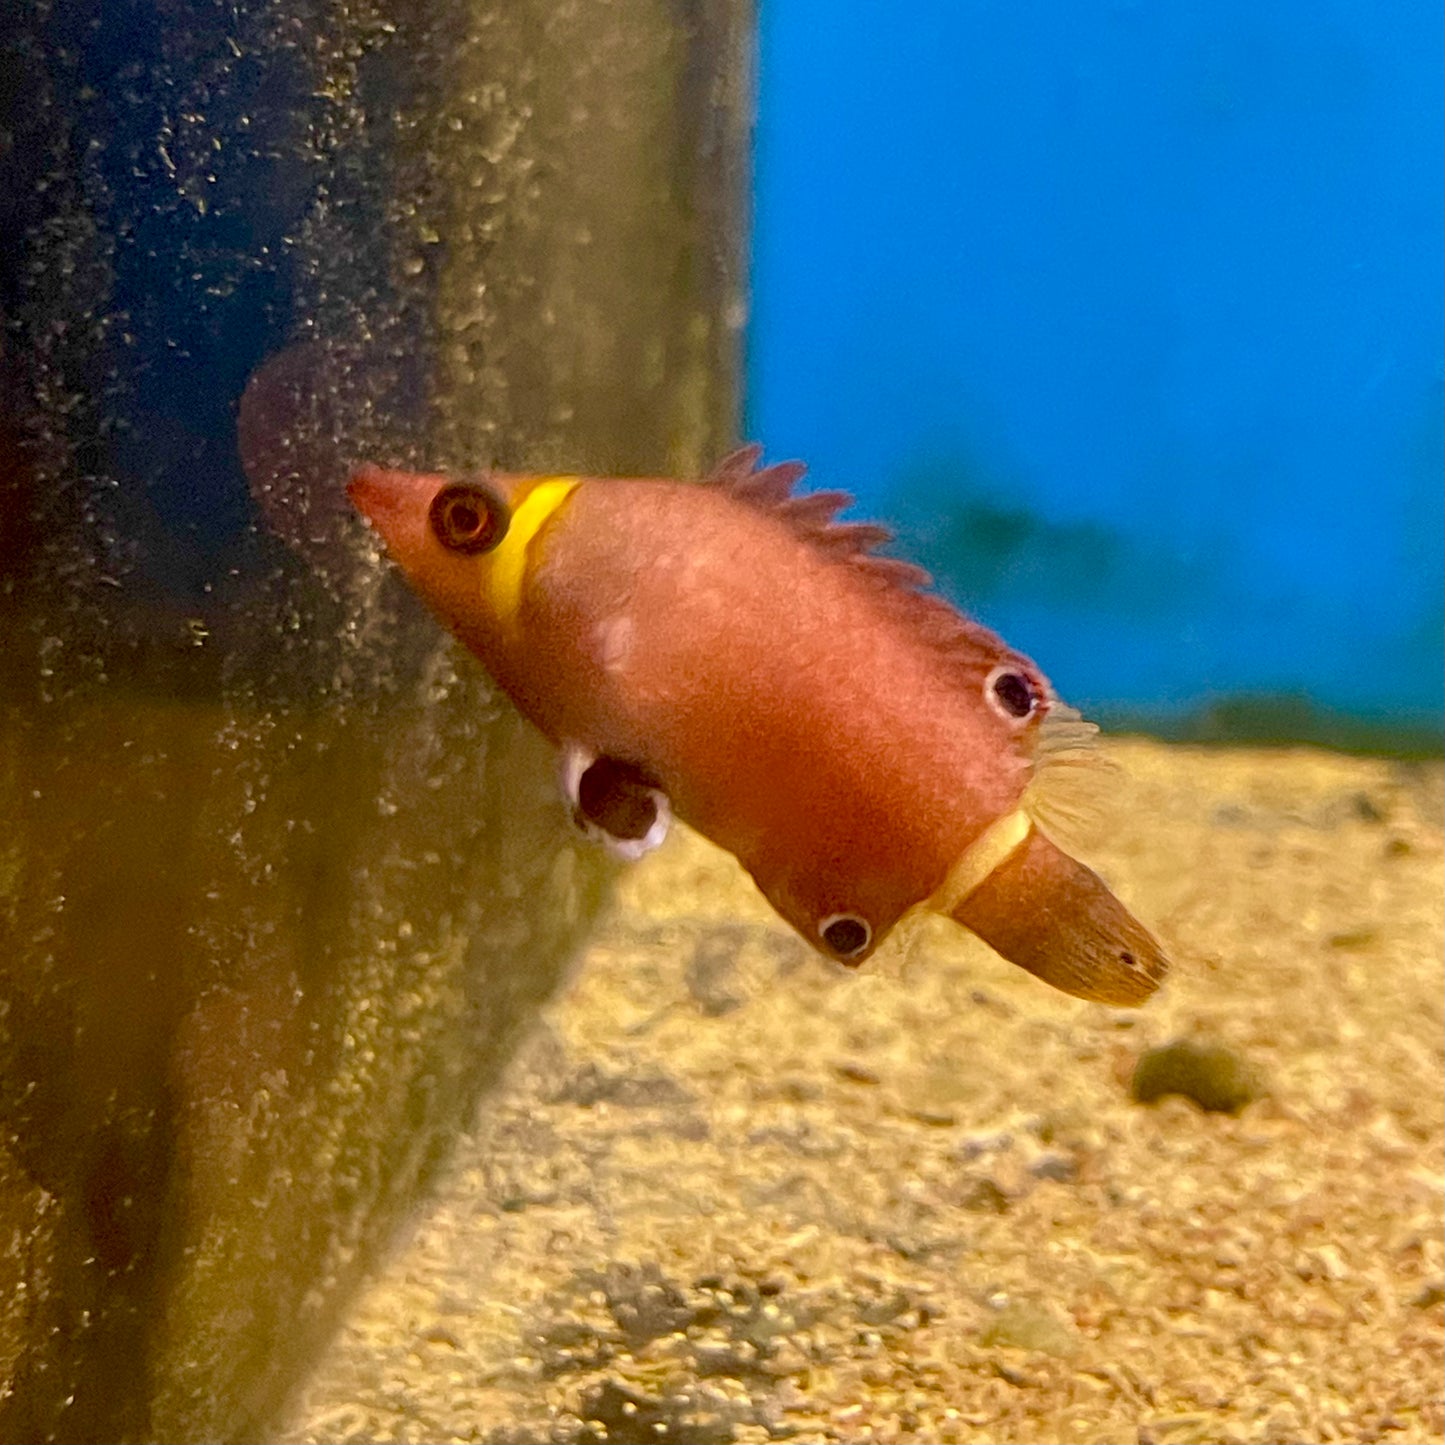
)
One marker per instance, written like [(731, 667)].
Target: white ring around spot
[(833, 918)]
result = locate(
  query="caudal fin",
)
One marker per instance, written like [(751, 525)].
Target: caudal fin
[(1048, 913)]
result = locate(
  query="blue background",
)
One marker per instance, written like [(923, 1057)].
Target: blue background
[(1128, 317)]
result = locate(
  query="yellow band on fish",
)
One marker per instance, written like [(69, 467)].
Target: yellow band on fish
[(507, 575), (990, 850)]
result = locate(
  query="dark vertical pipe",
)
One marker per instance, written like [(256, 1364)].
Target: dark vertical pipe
[(281, 881)]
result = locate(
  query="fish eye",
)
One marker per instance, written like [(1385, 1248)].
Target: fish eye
[(468, 517), (846, 934), (1011, 693)]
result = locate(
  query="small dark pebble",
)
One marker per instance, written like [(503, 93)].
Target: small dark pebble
[(1367, 810), (1057, 1167), (590, 1085), (935, 1118), (1014, 1377), (1214, 1076), (620, 1416), (1353, 938), (645, 1304), (855, 1073), (984, 1196)]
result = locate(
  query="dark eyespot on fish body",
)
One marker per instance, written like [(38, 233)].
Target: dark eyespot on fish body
[(617, 798), (615, 803), (846, 935)]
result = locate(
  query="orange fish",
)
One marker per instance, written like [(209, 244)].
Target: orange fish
[(730, 654)]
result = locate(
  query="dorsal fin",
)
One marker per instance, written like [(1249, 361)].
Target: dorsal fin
[(765, 487), (812, 518), (734, 467)]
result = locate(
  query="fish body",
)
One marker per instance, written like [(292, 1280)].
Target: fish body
[(729, 653)]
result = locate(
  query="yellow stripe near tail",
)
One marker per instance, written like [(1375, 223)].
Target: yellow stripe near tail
[(507, 576)]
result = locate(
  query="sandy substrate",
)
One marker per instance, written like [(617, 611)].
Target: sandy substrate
[(734, 1193)]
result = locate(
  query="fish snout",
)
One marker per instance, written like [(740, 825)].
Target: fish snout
[(396, 504), (382, 495)]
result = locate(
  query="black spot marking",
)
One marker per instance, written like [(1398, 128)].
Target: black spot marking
[(846, 934), (618, 798)]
